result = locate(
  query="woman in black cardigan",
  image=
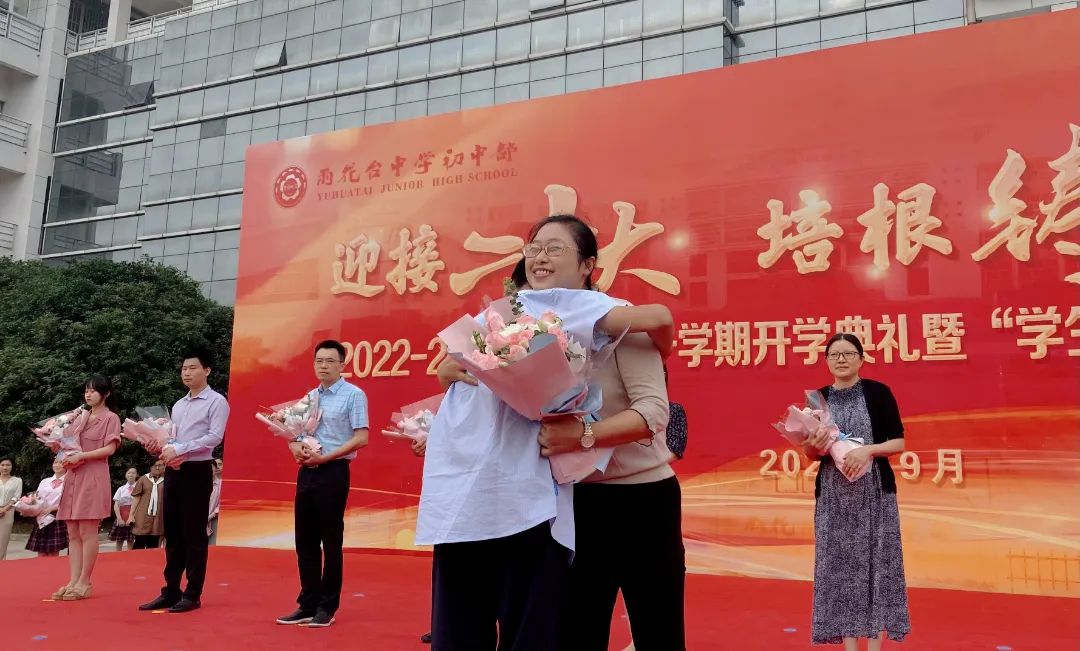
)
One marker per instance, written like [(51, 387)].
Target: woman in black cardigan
[(859, 586)]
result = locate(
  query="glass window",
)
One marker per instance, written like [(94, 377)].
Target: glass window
[(842, 26), (298, 50), (478, 80), (210, 151), (352, 73), (321, 125), (200, 264), (235, 146), (890, 18), (165, 111), (792, 9), (416, 25), (584, 61), (259, 136), (547, 68), (513, 43), (321, 108), (622, 74), (549, 35), (323, 79), (703, 60), (197, 46), (478, 49), (272, 29), (513, 10), (798, 34), (243, 62), (125, 230), (622, 20), (832, 6), (131, 175), (585, 28), (101, 82), (327, 16), (382, 67), (666, 67), (355, 38), (477, 99), (229, 213), (510, 75), (188, 132), (177, 246), (238, 123), (618, 55), (268, 90), (381, 98), (507, 94), (212, 128), (445, 56), (294, 84), (661, 15), (447, 19), (325, 44), (270, 56), (300, 22), (355, 11), (246, 35), (186, 156), (384, 31), (480, 13), (232, 174), (662, 47), (698, 12), (348, 120), (441, 105), (935, 10), (754, 42), (223, 292), (179, 219), (294, 130), (218, 68), (215, 100), (410, 93), (221, 40), (190, 105), (547, 87), (183, 184), (413, 61), (381, 8), (410, 111), (241, 95), (290, 114), (263, 119), (194, 73), (161, 160)]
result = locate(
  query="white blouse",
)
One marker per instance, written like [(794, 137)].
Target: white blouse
[(50, 494), (122, 496)]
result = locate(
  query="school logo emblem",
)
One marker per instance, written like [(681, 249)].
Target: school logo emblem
[(290, 187)]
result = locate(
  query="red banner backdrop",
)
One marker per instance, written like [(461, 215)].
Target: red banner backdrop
[(921, 192)]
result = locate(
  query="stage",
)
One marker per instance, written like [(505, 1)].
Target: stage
[(385, 608)]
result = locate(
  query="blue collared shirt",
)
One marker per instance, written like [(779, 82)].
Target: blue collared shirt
[(200, 424), (344, 409)]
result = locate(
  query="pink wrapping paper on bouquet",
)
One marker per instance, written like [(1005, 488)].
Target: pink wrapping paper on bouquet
[(154, 430), (799, 424), (30, 506), (60, 433), (413, 422), (295, 419)]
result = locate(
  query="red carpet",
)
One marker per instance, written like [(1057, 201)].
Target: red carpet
[(385, 608)]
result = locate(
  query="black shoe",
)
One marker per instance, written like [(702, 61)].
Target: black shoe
[(185, 605), (299, 616), (161, 603), (426, 638), (322, 619)]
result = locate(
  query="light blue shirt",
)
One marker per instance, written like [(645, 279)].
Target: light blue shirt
[(484, 476), (200, 424), (344, 409)]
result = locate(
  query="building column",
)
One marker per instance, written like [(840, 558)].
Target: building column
[(119, 17)]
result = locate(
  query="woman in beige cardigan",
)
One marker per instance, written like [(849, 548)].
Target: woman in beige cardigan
[(628, 519)]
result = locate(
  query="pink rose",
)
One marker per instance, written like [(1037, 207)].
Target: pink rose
[(516, 353), (494, 320), (560, 336), (496, 341), (525, 320), (486, 361)]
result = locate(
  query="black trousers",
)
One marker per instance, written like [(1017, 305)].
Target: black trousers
[(321, 494), (186, 509), (146, 542), (629, 538), (516, 582)]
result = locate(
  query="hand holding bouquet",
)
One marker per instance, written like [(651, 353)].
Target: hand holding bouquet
[(154, 430), (59, 434), (296, 419), (800, 423), (31, 506), (414, 421)]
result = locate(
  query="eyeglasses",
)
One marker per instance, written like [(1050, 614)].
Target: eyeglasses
[(319, 361), (552, 249), (847, 355)]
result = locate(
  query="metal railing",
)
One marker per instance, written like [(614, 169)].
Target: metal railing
[(7, 238), (20, 30), (141, 28), (13, 131)]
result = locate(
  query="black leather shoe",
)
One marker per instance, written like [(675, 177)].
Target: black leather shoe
[(161, 603), (322, 619), (299, 616), (185, 605), (426, 638)]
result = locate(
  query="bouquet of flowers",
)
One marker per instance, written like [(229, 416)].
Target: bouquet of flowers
[(535, 365), (154, 429), (31, 507), (295, 419), (57, 432), (799, 424), (414, 421)]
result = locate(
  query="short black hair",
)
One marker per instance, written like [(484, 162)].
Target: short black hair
[(3, 459), (330, 344), (205, 357), (845, 336)]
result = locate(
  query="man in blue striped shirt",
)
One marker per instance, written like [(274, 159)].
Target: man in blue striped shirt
[(322, 488)]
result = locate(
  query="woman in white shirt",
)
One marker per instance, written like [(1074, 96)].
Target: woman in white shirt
[(10, 490), (121, 530), (49, 535)]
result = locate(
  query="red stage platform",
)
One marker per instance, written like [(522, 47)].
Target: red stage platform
[(386, 600)]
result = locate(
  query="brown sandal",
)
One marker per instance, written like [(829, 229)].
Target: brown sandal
[(59, 594), (75, 594)]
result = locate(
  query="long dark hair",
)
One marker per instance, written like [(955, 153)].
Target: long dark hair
[(584, 239), (104, 386)]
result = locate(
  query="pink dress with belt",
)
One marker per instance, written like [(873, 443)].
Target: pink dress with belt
[(87, 489)]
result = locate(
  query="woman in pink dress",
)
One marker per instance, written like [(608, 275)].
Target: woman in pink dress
[(87, 490)]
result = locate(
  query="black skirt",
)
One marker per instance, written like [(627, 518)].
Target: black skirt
[(49, 540)]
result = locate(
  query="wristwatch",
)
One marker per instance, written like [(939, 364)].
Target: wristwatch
[(587, 438)]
